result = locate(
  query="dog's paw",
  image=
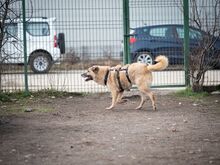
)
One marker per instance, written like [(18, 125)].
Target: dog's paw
[(108, 108), (138, 108)]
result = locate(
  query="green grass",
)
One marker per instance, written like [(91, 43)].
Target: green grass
[(15, 110), (55, 93), (8, 97), (190, 94), (4, 97), (19, 102)]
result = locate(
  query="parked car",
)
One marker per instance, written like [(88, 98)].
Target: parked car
[(44, 46), (149, 41)]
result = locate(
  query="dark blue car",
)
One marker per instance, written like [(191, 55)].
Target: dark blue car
[(149, 41)]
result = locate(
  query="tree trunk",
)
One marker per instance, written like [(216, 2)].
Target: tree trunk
[(197, 86)]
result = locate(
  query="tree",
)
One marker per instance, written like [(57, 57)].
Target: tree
[(9, 12), (205, 16)]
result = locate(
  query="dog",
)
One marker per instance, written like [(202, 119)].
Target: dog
[(121, 78)]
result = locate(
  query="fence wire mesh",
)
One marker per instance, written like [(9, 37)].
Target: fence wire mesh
[(66, 37)]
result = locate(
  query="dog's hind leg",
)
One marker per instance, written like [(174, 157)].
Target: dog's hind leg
[(152, 98), (114, 99), (142, 101), (144, 90)]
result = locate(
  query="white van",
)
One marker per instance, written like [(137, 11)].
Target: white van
[(42, 43)]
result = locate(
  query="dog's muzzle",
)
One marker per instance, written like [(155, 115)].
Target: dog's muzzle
[(86, 76), (155, 62)]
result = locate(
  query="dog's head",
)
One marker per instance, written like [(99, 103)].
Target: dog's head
[(91, 73)]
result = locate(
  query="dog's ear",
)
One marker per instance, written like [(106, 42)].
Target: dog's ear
[(95, 69)]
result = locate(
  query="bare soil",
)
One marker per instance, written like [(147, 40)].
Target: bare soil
[(78, 130)]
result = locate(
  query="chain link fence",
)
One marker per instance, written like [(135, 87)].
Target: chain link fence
[(66, 37)]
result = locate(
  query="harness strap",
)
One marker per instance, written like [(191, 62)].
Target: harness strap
[(106, 77), (126, 73), (129, 80), (119, 82), (118, 77)]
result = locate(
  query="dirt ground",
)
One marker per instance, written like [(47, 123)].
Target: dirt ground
[(78, 130)]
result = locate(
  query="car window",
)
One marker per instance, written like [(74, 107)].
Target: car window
[(193, 34), (180, 32), (142, 31), (161, 32), (11, 30), (38, 28)]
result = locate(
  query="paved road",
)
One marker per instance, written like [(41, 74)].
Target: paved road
[(71, 81)]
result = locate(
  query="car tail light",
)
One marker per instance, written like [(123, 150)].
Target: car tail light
[(132, 40), (55, 41)]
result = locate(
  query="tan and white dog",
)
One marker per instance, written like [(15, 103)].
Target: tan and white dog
[(120, 78)]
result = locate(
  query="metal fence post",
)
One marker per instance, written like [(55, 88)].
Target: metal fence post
[(186, 41), (25, 48), (126, 27)]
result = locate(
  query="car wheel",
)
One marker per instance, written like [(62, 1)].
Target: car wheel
[(144, 57), (40, 62)]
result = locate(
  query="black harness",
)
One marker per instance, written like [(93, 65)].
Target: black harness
[(118, 77), (106, 77), (119, 82), (126, 73)]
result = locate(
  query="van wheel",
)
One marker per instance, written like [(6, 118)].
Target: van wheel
[(144, 57), (40, 62)]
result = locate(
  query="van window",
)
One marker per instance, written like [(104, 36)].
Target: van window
[(11, 30), (38, 28)]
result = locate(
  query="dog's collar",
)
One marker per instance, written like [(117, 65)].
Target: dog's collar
[(106, 77)]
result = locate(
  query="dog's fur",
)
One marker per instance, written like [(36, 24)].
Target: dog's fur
[(139, 74)]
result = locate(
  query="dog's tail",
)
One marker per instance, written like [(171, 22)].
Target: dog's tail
[(161, 63)]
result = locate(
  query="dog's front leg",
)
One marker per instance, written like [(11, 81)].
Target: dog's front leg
[(119, 99), (114, 99)]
